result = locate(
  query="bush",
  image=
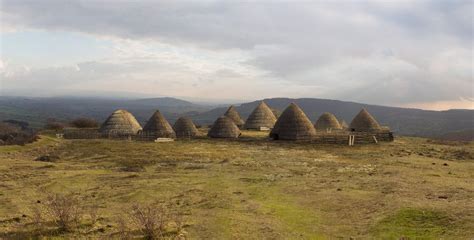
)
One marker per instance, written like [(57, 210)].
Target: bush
[(53, 124), (64, 210), (12, 135), (84, 123), (150, 219)]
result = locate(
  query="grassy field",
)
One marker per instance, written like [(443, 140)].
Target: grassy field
[(250, 188)]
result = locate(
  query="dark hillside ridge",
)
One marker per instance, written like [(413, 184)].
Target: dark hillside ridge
[(452, 124), (403, 121)]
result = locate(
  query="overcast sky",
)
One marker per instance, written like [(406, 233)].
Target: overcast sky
[(398, 53)]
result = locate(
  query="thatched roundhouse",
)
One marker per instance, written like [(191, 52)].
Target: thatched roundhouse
[(293, 124), (327, 122), (261, 117), (364, 122), (224, 127), (158, 127), (185, 128), (234, 116), (120, 123)]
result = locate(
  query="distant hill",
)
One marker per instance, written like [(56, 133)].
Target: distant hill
[(452, 124), (37, 110), (403, 121)]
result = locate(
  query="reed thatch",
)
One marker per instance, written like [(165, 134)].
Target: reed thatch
[(185, 128), (120, 122), (234, 116), (261, 117), (224, 127), (293, 124), (343, 124), (158, 127), (327, 122), (364, 122)]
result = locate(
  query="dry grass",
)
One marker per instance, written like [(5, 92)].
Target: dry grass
[(249, 188)]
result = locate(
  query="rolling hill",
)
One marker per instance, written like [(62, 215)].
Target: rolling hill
[(403, 121)]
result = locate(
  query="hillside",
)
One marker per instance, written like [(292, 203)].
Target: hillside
[(403, 121), (250, 188), (455, 124), (37, 110)]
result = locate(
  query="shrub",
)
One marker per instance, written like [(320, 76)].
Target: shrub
[(10, 135), (64, 210), (84, 123), (53, 124), (150, 219)]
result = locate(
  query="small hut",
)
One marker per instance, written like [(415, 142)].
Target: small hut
[(327, 122), (224, 127), (158, 127), (262, 117), (120, 123), (364, 122), (185, 128), (293, 124), (234, 116)]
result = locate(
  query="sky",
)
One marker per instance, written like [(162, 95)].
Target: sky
[(397, 53)]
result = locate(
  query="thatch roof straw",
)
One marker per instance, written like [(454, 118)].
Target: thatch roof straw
[(158, 127), (120, 122), (185, 128), (262, 116), (234, 116), (364, 122), (343, 124), (293, 124), (327, 121), (224, 127)]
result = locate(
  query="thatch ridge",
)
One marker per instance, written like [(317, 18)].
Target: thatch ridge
[(158, 127), (327, 121), (234, 116), (261, 116), (293, 124), (364, 122), (120, 122), (224, 127), (185, 128)]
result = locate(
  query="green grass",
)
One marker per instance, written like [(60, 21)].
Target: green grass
[(414, 224), (250, 188)]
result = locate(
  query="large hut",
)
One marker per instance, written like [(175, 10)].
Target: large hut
[(234, 116), (185, 128), (224, 127), (364, 122), (327, 122), (120, 123), (262, 117), (158, 127), (293, 124)]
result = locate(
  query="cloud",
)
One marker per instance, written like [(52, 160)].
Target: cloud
[(369, 51)]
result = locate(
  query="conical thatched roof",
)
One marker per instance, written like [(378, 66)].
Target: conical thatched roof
[(293, 124), (343, 124), (224, 127), (234, 116), (157, 126), (364, 122), (327, 121), (185, 128), (120, 122), (262, 116)]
